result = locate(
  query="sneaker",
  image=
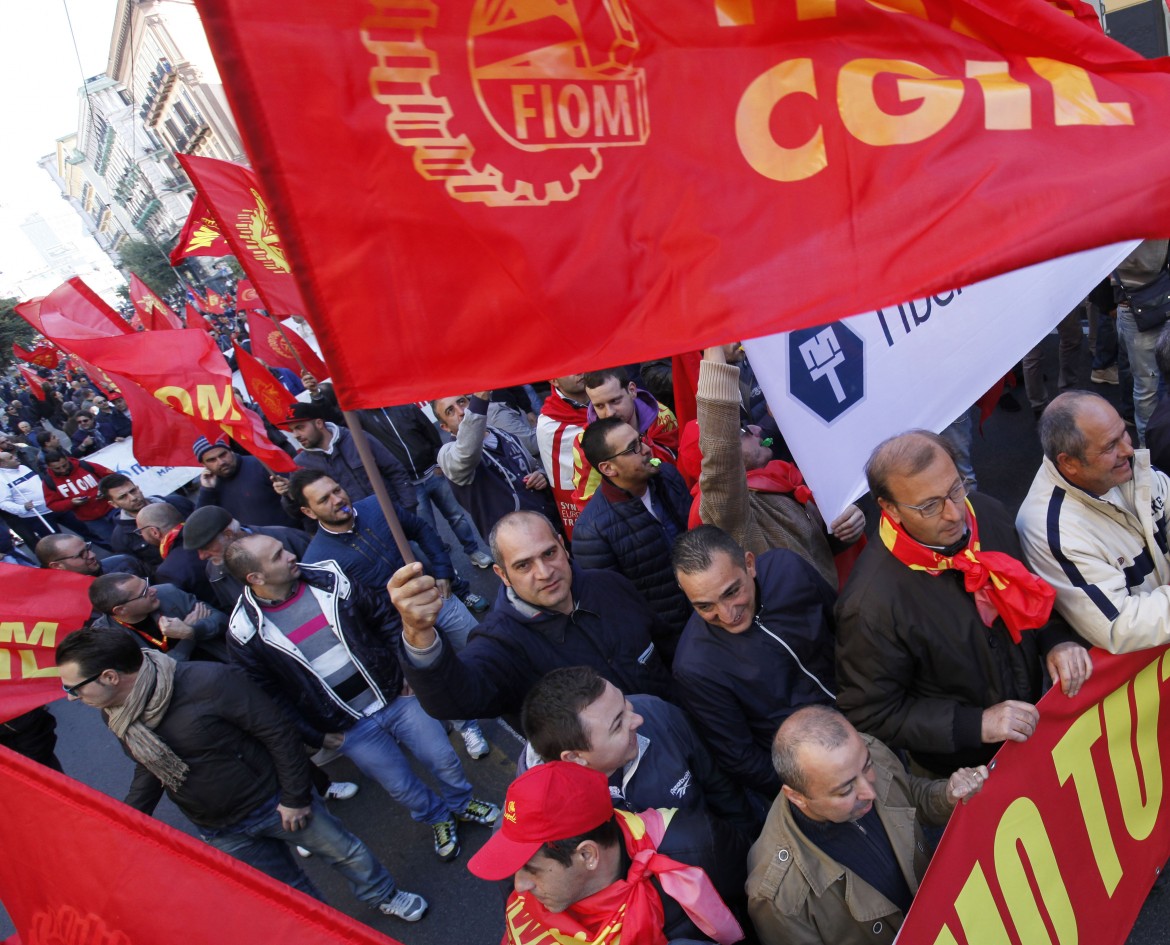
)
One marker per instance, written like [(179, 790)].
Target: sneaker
[(475, 603), (480, 559), (341, 791), (1106, 375), (408, 906), (477, 746), (303, 853), (446, 840), (479, 812)]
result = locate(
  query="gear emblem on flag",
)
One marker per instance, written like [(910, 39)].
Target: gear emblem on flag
[(546, 90), (278, 343), (259, 234)]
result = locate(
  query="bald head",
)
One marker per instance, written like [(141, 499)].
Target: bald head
[(522, 526), (904, 455), (813, 729), (155, 520)]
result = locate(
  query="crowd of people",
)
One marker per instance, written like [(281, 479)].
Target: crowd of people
[(742, 722)]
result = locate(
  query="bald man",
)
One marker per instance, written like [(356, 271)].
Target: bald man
[(160, 525)]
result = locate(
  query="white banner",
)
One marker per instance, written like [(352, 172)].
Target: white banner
[(152, 480), (838, 390)]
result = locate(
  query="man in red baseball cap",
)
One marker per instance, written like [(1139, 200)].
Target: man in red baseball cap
[(583, 871)]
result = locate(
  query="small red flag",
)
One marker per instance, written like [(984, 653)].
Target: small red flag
[(200, 236), (40, 609), (246, 295), (234, 195), (33, 380), (270, 395), (196, 319), (276, 347), (213, 303), (156, 314), (42, 355)]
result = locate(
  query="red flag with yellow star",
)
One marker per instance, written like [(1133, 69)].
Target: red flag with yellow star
[(201, 235)]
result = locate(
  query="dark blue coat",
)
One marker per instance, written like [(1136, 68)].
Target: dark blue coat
[(248, 496), (739, 687), (616, 531)]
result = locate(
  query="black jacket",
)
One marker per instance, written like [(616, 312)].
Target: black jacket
[(124, 540), (248, 495), (226, 588), (366, 623), (407, 433), (739, 687), (611, 630), (241, 749)]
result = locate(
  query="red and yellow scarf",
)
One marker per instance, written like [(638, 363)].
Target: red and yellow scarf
[(169, 539), (1001, 585), (629, 911)]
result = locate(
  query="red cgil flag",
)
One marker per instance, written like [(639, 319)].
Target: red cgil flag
[(542, 187), (271, 396), (234, 195), (42, 355), (33, 380), (246, 295), (186, 372), (201, 235), (40, 609), (156, 315), (62, 899), (282, 347)]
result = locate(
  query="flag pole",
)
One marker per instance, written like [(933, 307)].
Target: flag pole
[(375, 476)]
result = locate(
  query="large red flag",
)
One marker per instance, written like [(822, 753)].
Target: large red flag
[(234, 195), (72, 310), (156, 314), (271, 396), (80, 868), (42, 355), (533, 187), (187, 373), (200, 236), (246, 295), (40, 608), (276, 347)]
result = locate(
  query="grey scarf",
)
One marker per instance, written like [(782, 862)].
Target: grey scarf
[(135, 720)]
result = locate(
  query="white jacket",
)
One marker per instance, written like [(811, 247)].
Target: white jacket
[(18, 486), (1106, 556)]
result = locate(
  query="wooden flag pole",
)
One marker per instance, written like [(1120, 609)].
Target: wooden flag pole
[(375, 475)]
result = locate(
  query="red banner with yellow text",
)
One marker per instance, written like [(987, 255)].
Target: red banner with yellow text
[(1071, 829), (201, 235), (535, 188), (80, 868), (39, 609)]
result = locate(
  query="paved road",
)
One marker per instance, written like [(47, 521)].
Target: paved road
[(465, 910)]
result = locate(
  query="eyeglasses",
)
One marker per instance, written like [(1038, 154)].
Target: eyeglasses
[(81, 554), (72, 690), (932, 508), (131, 600), (632, 448)]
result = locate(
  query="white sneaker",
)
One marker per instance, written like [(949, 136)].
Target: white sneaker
[(410, 907), (473, 739), (341, 791), (480, 560), (303, 853)]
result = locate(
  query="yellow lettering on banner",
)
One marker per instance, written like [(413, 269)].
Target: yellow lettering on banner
[(752, 130), (978, 913), (520, 109), (1075, 99), (1022, 826), (178, 394), (216, 403), (1072, 757), (43, 633), (1007, 104), (735, 12), (1140, 794), (743, 12), (940, 99), (29, 668)]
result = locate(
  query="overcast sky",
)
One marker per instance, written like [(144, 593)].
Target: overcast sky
[(39, 80)]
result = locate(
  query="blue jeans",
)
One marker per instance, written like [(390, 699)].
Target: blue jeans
[(260, 841), (960, 434), (375, 744), (435, 491), (456, 621), (1139, 345)]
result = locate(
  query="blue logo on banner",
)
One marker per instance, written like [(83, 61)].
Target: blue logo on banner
[(826, 369)]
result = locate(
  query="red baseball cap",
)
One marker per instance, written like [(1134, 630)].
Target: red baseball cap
[(553, 801)]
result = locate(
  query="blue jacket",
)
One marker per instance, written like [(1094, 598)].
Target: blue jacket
[(616, 531), (369, 555), (365, 623), (344, 465), (112, 424), (611, 630), (739, 687), (248, 495)]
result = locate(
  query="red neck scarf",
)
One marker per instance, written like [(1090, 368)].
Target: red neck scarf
[(779, 476), (628, 911), (1001, 585), (169, 539)]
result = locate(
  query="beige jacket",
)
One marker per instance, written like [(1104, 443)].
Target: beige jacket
[(798, 896)]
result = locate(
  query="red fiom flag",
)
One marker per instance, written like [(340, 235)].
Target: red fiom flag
[(271, 396), (33, 380), (276, 346), (42, 355), (64, 900), (156, 314), (234, 195), (545, 187), (200, 236), (40, 608), (246, 295)]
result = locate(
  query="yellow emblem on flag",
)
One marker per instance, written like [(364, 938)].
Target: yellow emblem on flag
[(258, 232)]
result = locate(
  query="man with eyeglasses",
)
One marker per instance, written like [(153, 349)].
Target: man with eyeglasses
[(124, 494), (633, 518), (162, 617), (942, 632), (66, 552), (87, 438)]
